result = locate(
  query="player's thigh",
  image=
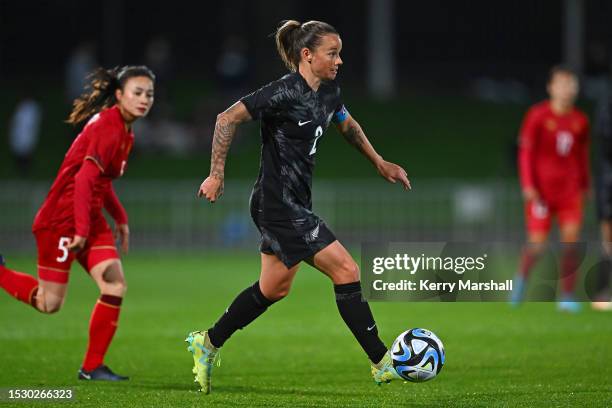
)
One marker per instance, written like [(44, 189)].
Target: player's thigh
[(336, 262), (54, 262), (100, 246), (54, 258), (537, 222), (275, 278), (570, 219)]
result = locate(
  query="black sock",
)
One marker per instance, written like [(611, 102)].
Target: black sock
[(358, 317), (247, 306)]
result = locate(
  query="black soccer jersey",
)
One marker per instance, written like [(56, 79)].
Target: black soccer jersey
[(293, 119)]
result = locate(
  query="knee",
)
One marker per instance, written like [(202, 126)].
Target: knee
[(347, 272), (115, 288), (50, 306), (277, 293), (536, 248)]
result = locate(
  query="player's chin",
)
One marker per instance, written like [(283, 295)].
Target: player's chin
[(332, 75), (140, 113)]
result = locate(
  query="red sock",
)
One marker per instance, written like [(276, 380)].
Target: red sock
[(102, 327), (527, 261), (19, 285), (569, 272)]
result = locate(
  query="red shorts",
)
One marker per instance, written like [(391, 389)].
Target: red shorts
[(539, 216), (54, 260)]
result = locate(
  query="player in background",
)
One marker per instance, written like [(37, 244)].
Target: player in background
[(294, 112), (603, 193), (70, 224), (554, 175)]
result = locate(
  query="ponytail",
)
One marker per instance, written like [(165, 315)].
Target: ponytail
[(100, 92), (292, 36), (285, 44)]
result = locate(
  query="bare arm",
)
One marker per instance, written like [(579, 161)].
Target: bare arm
[(225, 129), (353, 133)]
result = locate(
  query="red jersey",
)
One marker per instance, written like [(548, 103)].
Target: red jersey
[(106, 143), (554, 152)]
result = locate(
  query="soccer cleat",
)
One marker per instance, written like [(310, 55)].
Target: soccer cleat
[(568, 304), (602, 306), (204, 355), (102, 373), (383, 372)]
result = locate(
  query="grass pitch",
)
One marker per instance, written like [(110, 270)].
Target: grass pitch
[(299, 353)]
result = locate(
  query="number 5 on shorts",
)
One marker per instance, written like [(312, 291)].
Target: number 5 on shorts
[(62, 246)]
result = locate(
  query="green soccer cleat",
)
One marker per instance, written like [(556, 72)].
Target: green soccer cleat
[(204, 355), (383, 372)]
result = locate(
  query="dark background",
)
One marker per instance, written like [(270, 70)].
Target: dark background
[(450, 39), (465, 72)]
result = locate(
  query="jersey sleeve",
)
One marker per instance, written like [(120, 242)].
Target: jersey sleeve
[(114, 206), (267, 100), (84, 182), (340, 112), (526, 152), (103, 143)]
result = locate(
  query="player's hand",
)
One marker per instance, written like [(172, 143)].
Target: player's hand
[(211, 188), (393, 173), (77, 243), (122, 234), (531, 194)]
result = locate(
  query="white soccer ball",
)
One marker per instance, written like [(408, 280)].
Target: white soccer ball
[(418, 355)]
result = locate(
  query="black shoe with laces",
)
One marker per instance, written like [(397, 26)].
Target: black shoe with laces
[(102, 373)]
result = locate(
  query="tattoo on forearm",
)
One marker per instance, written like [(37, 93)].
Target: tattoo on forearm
[(222, 138), (355, 136)]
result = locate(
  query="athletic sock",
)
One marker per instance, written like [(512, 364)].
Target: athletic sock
[(528, 260), (102, 327), (358, 317), (19, 285), (569, 272), (248, 306)]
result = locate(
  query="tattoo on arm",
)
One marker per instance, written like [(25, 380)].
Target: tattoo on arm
[(225, 129), (355, 136)]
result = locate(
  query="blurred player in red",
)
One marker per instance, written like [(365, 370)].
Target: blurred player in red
[(554, 174), (70, 224)]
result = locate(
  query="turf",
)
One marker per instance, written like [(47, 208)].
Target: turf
[(299, 353)]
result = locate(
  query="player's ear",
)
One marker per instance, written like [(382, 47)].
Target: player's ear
[(306, 55), (118, 94)]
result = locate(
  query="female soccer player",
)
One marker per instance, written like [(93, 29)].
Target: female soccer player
[(70, 224), (294, 112), (554, 172)]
